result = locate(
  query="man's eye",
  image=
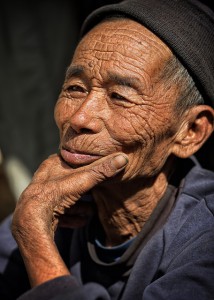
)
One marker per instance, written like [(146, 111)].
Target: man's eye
[(117, 96), (75, 88)]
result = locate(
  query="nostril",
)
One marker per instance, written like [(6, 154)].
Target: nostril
[(85, 130)]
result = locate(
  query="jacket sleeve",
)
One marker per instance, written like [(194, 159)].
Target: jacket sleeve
[(13, 277), (66, 288)]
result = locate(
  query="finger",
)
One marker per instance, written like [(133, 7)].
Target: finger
[(42, 169), (102, 169), (53, 167), (85, 178)]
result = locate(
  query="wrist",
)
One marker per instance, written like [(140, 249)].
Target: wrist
[(40, 255)]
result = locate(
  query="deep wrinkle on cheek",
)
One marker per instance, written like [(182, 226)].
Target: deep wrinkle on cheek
[(61, 110), (124, 131)]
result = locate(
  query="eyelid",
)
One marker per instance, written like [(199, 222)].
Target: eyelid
[(75, 82), (78, 88), (118, 96), (120, 91), (128, 95)]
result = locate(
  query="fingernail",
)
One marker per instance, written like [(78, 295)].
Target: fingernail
[(120, 161)]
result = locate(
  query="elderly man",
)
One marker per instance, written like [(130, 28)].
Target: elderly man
[(124, 211)]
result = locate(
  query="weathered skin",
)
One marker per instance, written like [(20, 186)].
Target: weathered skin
[(114, 100)]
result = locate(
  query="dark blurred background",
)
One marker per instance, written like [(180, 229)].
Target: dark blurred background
[(37, 40)]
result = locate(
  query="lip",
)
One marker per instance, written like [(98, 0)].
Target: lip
[(76, 158)]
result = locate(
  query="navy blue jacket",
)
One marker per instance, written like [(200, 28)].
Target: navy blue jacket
[(177, 263)]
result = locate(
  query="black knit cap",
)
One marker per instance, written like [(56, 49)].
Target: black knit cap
[(186, 26)]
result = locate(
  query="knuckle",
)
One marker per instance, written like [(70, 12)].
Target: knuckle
[(103, 171)]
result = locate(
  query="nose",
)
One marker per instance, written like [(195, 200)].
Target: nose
[(87, 118)]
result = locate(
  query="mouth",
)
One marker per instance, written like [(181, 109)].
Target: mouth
[(76, 158)]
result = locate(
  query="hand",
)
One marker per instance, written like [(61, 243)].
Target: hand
[(54, 189)]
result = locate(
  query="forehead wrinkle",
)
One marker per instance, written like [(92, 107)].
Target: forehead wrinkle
[(118, 55), (109, 46), (139, 38), (137, 33), (129, 28)]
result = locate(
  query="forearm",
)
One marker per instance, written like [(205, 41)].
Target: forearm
[(46, 265), (42, 260)]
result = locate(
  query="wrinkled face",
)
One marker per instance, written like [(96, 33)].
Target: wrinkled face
[(113, 99)]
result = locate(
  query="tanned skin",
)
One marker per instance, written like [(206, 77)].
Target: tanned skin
[(119, 135)]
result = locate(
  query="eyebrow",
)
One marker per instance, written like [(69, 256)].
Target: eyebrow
[(123, 80), (73, 71)]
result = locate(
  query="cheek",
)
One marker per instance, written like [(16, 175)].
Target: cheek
[(57, 115), (145, 138), (62, 111), (128, 130), (128, 127)]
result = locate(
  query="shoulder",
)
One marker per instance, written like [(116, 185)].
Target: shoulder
[(196, 195), (186, 265), (199, 183), (189, 229)]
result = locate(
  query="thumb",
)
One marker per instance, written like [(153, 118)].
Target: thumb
[(85, 178), (104, 168), (107, 167)]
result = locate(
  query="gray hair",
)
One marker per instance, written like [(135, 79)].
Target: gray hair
[(175, 73)]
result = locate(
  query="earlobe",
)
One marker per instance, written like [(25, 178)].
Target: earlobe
[(195, 129)]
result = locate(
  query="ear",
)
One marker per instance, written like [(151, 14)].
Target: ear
[(197, 126)]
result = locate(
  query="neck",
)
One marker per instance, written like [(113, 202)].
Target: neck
[(123, 208)]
